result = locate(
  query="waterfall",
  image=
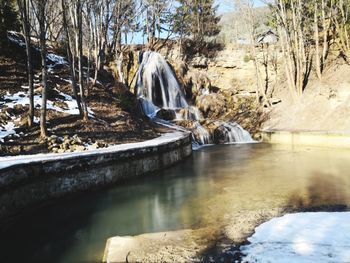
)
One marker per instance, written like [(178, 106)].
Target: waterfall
[(157, 88), (235, 133)]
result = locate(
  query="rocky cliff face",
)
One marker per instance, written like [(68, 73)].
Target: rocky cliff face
[(222, 84)]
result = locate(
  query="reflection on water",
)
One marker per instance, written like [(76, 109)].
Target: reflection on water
[(205, 190), (322, 191)]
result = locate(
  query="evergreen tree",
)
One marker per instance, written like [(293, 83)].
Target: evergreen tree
[(197, 18), (8, 19)]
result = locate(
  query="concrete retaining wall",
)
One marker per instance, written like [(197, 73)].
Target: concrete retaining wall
[(26, 184), (330, 139)]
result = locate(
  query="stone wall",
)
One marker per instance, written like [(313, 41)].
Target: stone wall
[(330, 139), (29, 184)]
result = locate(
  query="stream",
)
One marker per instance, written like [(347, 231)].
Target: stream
[(206, 190)]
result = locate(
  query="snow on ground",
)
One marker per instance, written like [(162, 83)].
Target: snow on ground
[(301, 238), (7, 130), (22, 159), (21, 98), (15, 37), (57, 60)]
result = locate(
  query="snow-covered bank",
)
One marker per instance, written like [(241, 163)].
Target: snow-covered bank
[(25, 159), (302, 237)]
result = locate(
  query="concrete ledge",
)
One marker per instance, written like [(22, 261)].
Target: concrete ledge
[(30, 180), (172, 246), (331, 139)]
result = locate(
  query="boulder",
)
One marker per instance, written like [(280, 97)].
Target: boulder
[(198, 82), (19, 109), (212, 105), (21, 122), (200, 62), (166, 114), (3, 118), (94, 146), (190, 113), (79, 148), (220, 135)]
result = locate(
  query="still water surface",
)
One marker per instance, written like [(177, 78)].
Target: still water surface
[(205, 190)]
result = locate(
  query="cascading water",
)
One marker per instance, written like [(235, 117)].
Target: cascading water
[(235, 133), (157, 88)]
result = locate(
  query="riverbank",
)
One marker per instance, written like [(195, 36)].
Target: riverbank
[(200, 245), (261, 182), (30, 180)]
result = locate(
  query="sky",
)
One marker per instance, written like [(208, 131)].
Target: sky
[(228, 6)]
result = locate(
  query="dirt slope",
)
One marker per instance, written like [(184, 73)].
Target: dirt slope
[(324, 106)]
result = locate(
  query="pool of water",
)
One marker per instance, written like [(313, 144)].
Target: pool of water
[(206, 190)]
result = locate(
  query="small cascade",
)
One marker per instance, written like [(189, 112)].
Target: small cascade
[(203, 134), (158, 90), (235, 133)]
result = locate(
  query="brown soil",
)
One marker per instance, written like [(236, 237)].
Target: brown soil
[(117, 117), (324, 105)]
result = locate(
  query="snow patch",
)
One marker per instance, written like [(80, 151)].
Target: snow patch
[(302, 237), (15, 37), (8, 129), (22, 98), (56, 59), (35, 85)]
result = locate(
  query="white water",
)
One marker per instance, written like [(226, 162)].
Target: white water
[(235, 133), (204, 135), (157, 88)]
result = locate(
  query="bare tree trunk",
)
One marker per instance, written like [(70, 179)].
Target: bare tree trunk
[(286, 48), (198, 19), (80, 57), (24, 9), (120, 68), (325, 27), (317, 42), (266, 51), (246, 9), (90, 42), (98, 42), (296, 56), (42, 26), (70, 57), (148, 30)]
